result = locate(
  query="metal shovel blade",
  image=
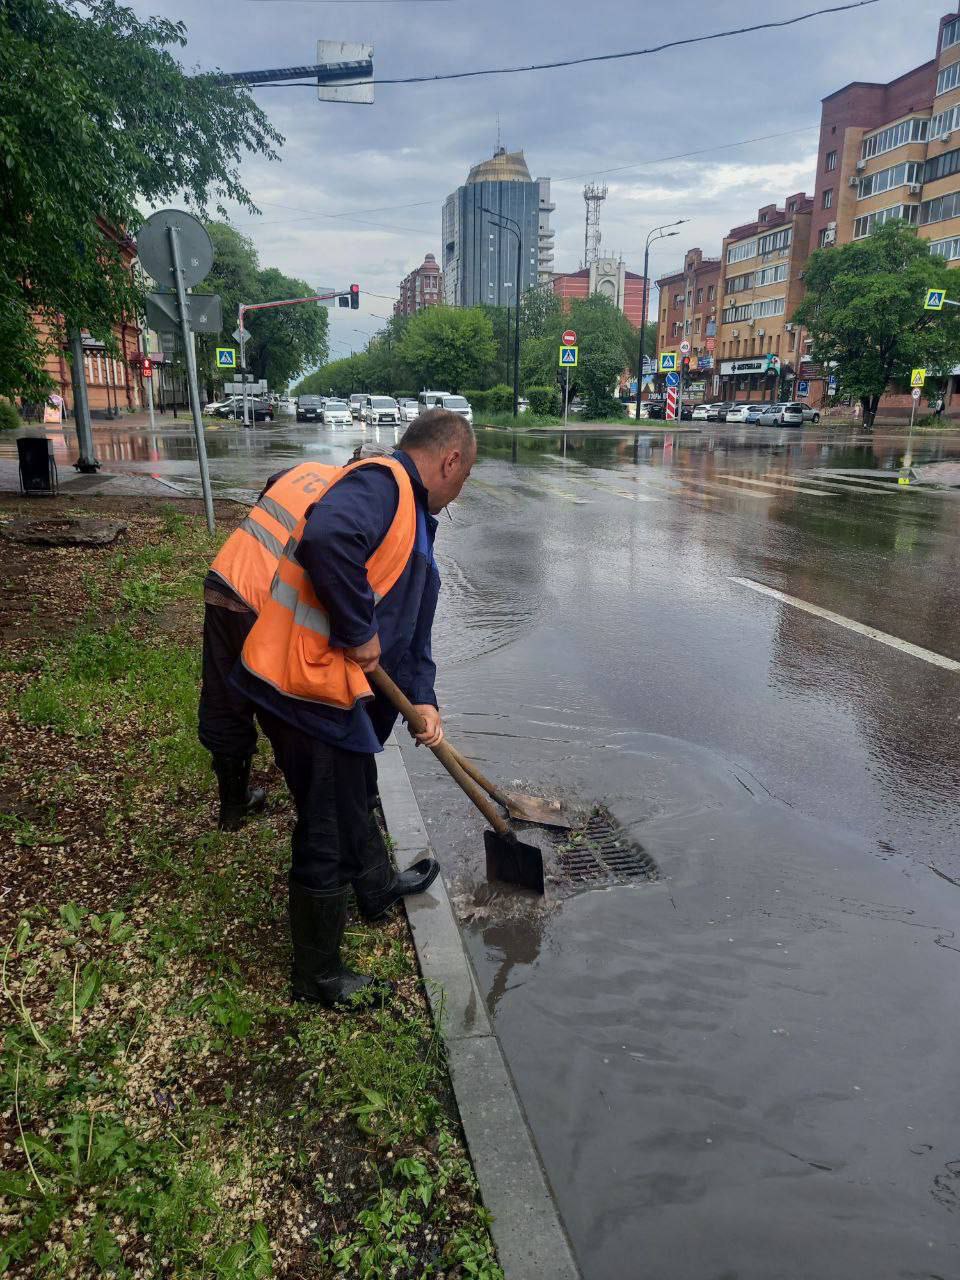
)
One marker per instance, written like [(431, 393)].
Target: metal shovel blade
[(513, 862), (540, 810)]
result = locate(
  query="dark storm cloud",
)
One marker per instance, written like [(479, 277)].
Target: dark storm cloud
[(388, 167)]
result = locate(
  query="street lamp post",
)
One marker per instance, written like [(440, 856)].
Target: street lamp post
[(514, 230), (658, 233)]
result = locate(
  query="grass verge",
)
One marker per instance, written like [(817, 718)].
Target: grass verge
[(165, 1111)]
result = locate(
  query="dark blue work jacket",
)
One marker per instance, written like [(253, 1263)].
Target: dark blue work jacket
[(341, 534)]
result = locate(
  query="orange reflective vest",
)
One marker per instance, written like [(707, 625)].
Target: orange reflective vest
[(289, 645), (248, 559)]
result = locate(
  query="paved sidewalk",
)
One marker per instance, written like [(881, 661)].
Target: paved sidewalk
[(531, 1241)]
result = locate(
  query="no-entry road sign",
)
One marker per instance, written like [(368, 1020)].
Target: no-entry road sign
[(569, 338)]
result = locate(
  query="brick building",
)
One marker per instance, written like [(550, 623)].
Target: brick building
[(608, 277), (423, 287), (761, 285), (687, 309), (893, 151)]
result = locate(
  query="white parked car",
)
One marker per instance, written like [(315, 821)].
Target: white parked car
[(214, 405), (782, 415), (458, 404), (380, 411), (336, 413), (700, 413), (739, 412), (809, 414), (356, 404), (409, 409)]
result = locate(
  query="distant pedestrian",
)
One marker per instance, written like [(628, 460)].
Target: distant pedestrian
[(939, 407)]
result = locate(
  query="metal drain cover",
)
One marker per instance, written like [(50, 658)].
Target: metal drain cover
[(599, 850)]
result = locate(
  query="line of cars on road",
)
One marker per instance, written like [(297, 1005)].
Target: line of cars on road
[(377, 411)]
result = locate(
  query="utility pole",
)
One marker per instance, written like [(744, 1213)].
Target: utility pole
[(657, 233), (193, 388), (86, 462)]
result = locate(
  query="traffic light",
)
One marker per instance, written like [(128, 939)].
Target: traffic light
[(147, 367), (354, 296), (685, 368)]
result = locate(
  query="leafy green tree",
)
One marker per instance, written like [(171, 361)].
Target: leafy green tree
[(604, 335), (448, 348), (235, 278), (339, 377), (597, 377), (98, 121), (284, 343), (864, 312)]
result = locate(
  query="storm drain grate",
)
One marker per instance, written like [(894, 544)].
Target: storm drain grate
[(599, 850)]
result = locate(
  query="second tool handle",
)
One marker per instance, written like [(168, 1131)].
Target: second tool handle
[(443, 751)]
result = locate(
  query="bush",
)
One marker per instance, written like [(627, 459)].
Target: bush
[(500, 398), (479, 400), (544, 400), (9, 417)]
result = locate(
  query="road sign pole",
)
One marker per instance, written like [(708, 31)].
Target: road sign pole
[(566, 398), (243, 366), (193, 388), (81, 406), (149, 381)]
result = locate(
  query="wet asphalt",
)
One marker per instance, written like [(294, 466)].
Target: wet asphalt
[(746, 1069)]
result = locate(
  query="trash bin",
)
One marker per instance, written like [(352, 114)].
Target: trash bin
[(38, 469)]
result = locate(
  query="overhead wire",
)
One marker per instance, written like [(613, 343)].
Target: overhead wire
[(619, 55)]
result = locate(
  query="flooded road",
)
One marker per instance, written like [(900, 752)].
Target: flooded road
[(745, 1069)]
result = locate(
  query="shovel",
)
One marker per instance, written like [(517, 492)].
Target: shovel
[(508, 858), (541, 811)]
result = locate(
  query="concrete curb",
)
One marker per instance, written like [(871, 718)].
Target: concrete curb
[(527, 1230)]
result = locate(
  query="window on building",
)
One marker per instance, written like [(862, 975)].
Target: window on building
[(948, 249), (769, 307), (678, 300), (792, 207), (942, 166), (828, 198), (951, 34), (711, 293), (824, 238), (945, 122), (940, 209), (770, 275), (775, 242), (741, 251), (686, 329), (897, 176), (736, 284), (830, 163), (948, 78), (699, 297), (862, 227), (696, 325), (897, 135)]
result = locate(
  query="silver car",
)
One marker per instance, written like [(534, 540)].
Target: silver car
[(409, 409), (785, 414), (380, 411)]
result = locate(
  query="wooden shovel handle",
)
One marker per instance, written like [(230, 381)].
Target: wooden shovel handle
[(447, 756)]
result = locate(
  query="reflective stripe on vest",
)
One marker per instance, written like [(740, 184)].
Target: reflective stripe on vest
[(248, 559), (289, 645)]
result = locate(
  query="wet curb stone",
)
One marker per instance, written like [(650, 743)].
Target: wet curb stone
[(527, 1230)]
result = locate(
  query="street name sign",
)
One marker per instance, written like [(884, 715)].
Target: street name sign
[(569, 357), (668, 362), (935, 299), (569, 338), (673, 379), (226, 358), (918, 378)]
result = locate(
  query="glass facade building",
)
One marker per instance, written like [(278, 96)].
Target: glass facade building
[(480, 257)]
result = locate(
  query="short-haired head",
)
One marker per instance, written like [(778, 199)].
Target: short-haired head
[(444, 448)]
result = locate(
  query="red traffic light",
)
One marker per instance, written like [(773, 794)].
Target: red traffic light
[(355, 296), (147, 368)]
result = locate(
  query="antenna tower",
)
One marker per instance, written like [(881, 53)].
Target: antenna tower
[(594, 193)]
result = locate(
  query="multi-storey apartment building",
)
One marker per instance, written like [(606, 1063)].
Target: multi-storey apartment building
[(761, 284), (688, 309), (423, 287)]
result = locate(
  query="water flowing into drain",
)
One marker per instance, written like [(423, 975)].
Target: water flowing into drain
[(600, 850)]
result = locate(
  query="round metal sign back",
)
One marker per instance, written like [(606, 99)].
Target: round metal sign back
[(196, 249)]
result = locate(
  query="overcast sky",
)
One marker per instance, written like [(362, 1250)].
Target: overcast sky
[(358, 191)]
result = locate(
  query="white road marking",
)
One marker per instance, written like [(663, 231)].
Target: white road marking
[(937, 659), (782, 485)]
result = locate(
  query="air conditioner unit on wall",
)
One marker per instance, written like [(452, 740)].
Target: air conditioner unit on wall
[(914, 188), (945, 137), (761, 333), (861, 165), (854, 180), (788, 327), (736, 333)]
